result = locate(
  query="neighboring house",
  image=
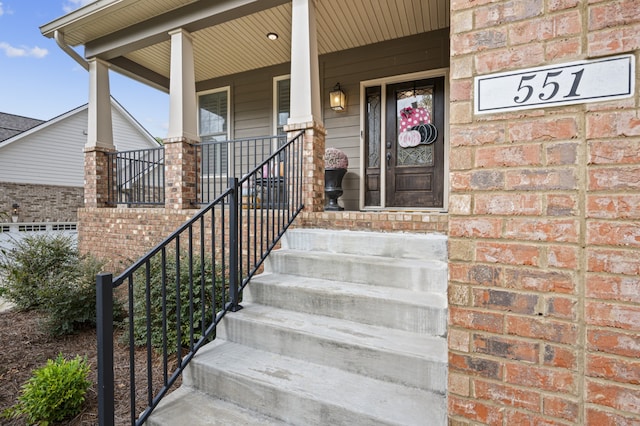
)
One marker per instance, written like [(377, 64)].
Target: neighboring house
[(540, 205), (42, 162)]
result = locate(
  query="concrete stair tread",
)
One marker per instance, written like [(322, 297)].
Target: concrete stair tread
[(324, 388), (187, 406), (396, 245), (347, 333), (339, 288)]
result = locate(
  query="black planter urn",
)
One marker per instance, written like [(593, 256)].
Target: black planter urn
[(333, 188)]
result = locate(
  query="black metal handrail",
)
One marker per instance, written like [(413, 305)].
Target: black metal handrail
[(193, 278)]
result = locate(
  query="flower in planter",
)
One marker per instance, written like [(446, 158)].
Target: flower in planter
[(335, 159)]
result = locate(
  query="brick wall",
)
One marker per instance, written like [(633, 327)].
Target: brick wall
[(40, 203), (544, 234)]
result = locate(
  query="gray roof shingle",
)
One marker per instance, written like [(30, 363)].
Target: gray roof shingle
[(11, 125)]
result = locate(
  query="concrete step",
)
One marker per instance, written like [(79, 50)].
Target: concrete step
[(387, 354), (303, 393), (417, 312), (188, 406), (392, 245), (411, 274)]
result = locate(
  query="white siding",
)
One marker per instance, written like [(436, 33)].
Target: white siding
[(53, 153)]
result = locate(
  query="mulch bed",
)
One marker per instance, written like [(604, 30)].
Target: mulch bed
[(25, 347)]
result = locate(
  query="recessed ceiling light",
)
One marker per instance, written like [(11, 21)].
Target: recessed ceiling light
[(272, 36)]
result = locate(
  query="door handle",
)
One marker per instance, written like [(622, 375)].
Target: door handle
[(388, 159)]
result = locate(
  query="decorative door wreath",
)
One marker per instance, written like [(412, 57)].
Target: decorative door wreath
[(415, 128)]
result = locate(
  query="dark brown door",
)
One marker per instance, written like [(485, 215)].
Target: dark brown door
[(414, 144)]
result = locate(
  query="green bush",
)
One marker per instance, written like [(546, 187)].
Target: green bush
[(156, 308), (54, 392), (33, 263), (47, 273)]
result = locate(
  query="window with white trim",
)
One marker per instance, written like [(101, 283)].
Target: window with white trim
[(213, 126)]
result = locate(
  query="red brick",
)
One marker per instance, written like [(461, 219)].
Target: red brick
[(615, 396), (500, 13), (526, 55), (460, 181), (562, 153), (475, 410), (551, 26), (613, 124), (562, 257), (526, 419), (509, 204), (563, 48), (478, 41), (596, 417), (561, 308), (476, 320), (614, 342), (625, 262), (607, 314), (543, 130), (514, 349), (484, 180), (554, 380), (461, 158), (613, 41), (541, 179), (513, 254), (460, 90), (459, 384), (561, 205), (615, 369), (540, 280), (618, 288), (505, 300), (556, 5), (613, 14), (542, 328), (560, 356), (613, 233), (614, 152), (508, 156), (560, 407), (475, 366), (481, 227), (485, 133), (507, 395), (555, 230), (625, 206)]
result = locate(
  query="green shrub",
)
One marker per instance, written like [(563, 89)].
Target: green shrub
[(47, 273), (156, 309), (33, 263), (54, 392)]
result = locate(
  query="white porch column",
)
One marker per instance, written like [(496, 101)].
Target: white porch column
[(182, 88), (100, 129), (305, 76)]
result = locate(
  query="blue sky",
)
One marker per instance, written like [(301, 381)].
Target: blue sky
[(39, 80)]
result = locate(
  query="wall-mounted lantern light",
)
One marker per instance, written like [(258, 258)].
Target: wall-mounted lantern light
[(14, 212), (337, 98)]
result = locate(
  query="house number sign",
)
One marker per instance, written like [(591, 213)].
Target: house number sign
[(563, 84)]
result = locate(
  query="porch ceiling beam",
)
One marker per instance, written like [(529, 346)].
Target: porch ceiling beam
[(192, 17), (138, 72)]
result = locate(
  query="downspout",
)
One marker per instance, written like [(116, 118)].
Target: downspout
[(59, 37)]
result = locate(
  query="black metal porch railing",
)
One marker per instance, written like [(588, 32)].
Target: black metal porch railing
[(136, 176), (178, 292), (220, 160)]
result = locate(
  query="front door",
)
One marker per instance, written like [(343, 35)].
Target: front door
[(410, 161)]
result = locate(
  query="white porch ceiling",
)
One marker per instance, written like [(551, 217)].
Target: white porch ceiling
[(241, 44)]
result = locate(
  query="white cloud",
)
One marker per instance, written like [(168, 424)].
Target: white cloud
[(13, 52), (71, 5), (1, 10)]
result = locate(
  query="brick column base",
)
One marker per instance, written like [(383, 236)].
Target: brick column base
[(96, 176), (312, 164), (180, 173)]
